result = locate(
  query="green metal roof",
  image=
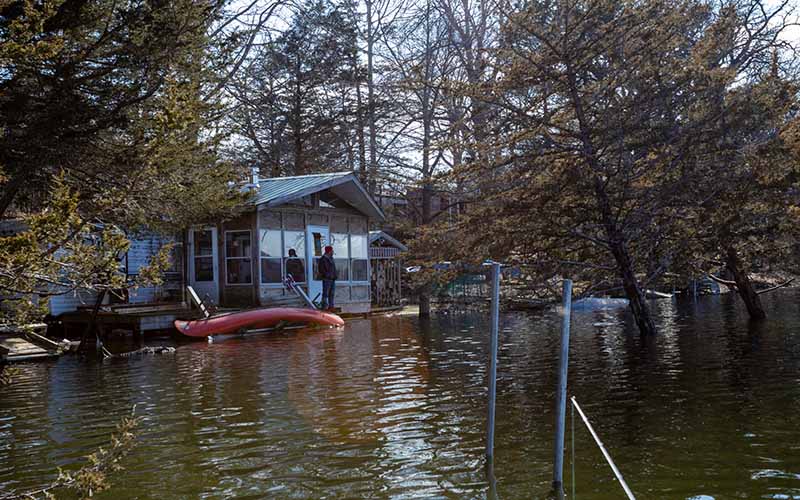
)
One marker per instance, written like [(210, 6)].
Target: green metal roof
[(281, 190)]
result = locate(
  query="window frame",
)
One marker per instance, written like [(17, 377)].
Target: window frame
[(347, 258), (249, 257), (285, 258), (195, 256), (261, 282), (352, 259)]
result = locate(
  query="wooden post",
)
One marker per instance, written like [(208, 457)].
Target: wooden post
[(561, 393), (493, 359), (399, 284)]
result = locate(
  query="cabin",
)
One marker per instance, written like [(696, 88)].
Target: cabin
[(241, 262)]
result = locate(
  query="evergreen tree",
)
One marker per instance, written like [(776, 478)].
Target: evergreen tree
[(602, 106), (105, 132)]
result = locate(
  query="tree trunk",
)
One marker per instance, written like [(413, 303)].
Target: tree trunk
[(91, 327), (299, 167), (425, 302), (362, 149), (427, 173), (373, 142), (425, 294), (744, 286), (636, 298)]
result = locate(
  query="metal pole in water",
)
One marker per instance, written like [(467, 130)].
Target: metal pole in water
[(493, 359), (561, 393)]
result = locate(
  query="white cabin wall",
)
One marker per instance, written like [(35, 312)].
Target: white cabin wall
[(139, 254), (69, 302)]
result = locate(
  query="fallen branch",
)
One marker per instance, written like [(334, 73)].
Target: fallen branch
[(729, 284), (775, 287)]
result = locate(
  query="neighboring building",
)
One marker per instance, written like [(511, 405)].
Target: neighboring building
[(409, 206), (386, 264), (242, 262)]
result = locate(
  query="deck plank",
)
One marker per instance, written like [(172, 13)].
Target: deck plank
[(19, 349)]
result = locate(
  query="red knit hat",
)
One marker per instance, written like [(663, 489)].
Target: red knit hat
[(328, 249)]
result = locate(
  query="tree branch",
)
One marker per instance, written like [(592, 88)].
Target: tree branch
[(771, 289)]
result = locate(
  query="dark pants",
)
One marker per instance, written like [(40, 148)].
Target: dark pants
[(328, 289)]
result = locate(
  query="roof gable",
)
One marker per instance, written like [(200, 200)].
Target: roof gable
[(375, 236), (345, 185)]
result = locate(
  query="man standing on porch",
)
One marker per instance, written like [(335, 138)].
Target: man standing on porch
[(327, 271)]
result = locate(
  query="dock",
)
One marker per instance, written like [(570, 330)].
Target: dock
[(27, 344), (139, 319)]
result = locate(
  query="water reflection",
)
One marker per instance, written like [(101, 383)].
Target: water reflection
[(395, 408)]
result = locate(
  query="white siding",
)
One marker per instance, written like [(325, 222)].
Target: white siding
[(69, 302), (139, 256)]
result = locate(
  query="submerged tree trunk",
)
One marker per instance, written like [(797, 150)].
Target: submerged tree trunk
[(91, 328), (744, 286), (425, 293), (636, 298), (426, 105), (425, 301)]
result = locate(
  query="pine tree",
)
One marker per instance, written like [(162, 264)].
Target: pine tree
[(106, 131)]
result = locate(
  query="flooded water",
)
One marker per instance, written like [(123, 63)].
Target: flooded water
[(395, 408)]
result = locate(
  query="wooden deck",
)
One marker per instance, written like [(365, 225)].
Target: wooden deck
[(135, 318), (28, 343), (13, 349)]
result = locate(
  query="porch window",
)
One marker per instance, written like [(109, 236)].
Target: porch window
[(341, 256), (175, 258), (203, 255), (359, 257), (270, 245), (238, 260), (294, 257)]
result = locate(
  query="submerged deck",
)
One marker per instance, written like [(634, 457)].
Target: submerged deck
[(28, 344), (14, 349)]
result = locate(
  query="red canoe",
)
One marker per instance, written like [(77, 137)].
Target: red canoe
[(256, 318)]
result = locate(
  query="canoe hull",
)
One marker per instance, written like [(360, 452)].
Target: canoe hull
[(256, 318)]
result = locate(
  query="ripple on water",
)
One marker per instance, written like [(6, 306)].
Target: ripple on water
[(395, 408)]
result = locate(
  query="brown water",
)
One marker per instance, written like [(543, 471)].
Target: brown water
[(395, 408)]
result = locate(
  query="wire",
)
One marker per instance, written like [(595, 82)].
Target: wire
[(611, 463), (572, 453)]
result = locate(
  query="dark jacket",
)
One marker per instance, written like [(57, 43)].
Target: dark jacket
[(327, 268), (294, 266)]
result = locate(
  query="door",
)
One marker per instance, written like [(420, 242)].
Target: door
[(317, 239), (204, 264)]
